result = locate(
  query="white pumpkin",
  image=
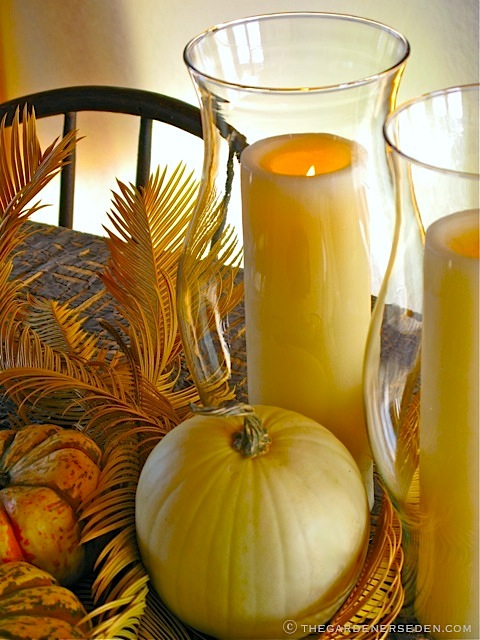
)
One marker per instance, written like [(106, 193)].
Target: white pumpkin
[(237, 545)]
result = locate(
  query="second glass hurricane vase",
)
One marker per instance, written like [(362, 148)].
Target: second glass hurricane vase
[(422, 357)]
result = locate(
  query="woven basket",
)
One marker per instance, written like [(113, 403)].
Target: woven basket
[(59, 264)]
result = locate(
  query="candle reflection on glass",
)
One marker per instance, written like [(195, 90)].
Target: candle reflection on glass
[(307, 280), (447, 584)]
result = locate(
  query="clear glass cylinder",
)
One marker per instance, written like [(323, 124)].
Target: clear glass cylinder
[(292, 112), (422, 358)]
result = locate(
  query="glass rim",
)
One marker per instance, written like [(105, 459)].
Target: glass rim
[(295, 14), (394, 115)]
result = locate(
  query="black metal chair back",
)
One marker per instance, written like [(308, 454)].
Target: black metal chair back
[(148, 106)]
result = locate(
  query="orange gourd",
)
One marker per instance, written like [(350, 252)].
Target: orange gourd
[(45, 474)]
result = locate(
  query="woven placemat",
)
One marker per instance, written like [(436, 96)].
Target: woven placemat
[(61, 264)]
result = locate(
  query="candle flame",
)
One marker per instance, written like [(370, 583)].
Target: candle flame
[(311, 171)]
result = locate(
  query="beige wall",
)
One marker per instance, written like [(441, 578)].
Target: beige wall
[(139, 43)]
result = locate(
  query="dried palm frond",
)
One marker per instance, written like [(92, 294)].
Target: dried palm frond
[(62, 328), (406, 418), (12, 301), (24, 172), (407, 473), (126, 397), (86, 398), (141, 276), (141, 272), (120, 586), (378, 596)]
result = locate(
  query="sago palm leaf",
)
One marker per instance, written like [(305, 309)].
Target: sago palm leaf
[(120, 587), (24, 172), (93, 394), (61, 327), (141, 273), (11, 296), (47, 337)]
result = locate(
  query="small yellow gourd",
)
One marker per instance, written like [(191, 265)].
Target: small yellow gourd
[(245, 522)]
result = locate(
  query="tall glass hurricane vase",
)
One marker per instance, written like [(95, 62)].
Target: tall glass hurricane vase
[(295, 168), (422, 359)]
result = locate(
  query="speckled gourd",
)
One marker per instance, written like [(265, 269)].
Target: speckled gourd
[(34, 606), (45, 474)]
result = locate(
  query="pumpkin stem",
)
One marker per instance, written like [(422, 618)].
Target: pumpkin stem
[(253, 440)]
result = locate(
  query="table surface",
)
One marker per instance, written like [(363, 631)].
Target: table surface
[(61, 264)]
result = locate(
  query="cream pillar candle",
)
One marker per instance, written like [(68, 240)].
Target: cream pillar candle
[(448, 578), (307, 281)]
